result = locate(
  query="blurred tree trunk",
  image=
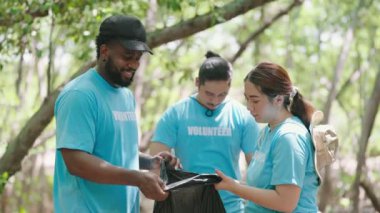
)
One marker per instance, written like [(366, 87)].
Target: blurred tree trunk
[(372, 107), (338, 73), (4, 200), (355, 75), (19, 146), (43, 185), (50, 65), (20, 72), (369, 190), (139, 84), (139, 76), (26, 178), (257, 50), (325, 193), (313, 85), (150, 22)]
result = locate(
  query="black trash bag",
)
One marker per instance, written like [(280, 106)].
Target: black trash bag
[(189, 192)]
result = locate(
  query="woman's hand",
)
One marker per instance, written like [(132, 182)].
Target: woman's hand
[(227, 183)]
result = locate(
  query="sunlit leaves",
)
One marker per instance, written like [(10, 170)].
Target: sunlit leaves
[(173, 5)]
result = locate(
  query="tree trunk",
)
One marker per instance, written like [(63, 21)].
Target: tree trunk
[(139, 76), (338, 72), (316, 67), (258, 40), (325, 193), (50, 65), (368, 188), (372, 107)]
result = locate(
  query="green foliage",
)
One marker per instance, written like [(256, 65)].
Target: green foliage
[(171, 4), (3, 180), (373, 145), (307, 42)]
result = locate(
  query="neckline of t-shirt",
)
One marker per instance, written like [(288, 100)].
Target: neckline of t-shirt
[(104, 82), (290, 119), (220, 106)]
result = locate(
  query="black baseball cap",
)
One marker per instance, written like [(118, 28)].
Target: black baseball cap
[(128, 29)]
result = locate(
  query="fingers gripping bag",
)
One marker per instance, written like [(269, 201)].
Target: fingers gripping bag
[(189, 192)]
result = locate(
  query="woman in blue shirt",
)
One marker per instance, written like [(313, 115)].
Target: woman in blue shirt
[(281, 176)]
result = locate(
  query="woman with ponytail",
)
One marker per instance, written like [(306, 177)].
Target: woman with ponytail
[(281, 176)]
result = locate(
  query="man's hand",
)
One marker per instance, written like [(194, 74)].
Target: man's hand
[(152, 186), (173, 161)]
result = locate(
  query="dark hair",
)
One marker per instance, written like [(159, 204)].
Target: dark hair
[(214, 68), (102, 39), (273, 80)]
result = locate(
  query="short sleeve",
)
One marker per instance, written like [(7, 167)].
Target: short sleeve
[(250, 135), (289, 160), (167, 129), (75, 119)]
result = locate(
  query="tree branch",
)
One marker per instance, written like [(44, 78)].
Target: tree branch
[(200, 23), (355, 75), (7, 21), (266, 25), (51, 56), (368, 188)]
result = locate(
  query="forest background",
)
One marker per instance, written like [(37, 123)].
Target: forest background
[(330, 48)]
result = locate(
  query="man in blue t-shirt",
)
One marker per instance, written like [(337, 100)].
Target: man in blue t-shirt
[(208, 130), (97, 158)]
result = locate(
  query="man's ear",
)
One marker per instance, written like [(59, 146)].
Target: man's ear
[(104, 51), (197, 83)]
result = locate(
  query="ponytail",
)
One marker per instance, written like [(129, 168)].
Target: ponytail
[(301, 108), (211, 54)]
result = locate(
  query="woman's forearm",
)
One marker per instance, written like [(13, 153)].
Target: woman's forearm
[(284, 198)]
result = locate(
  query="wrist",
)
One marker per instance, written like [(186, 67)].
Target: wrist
[(135, 178), (234, 187)]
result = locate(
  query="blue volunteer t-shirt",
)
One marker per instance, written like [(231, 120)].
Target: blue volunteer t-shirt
[(99, 119), (284, 155), (205, 143)]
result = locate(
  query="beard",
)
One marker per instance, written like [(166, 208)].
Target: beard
[(116, 76)]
